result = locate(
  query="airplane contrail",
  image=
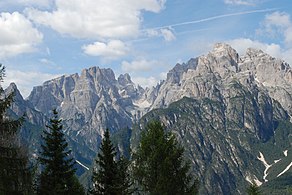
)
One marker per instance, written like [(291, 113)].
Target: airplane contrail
[(212, 18)]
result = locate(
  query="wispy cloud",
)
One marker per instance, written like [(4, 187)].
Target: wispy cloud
[(239, 2), (166, 33), (213, 18)]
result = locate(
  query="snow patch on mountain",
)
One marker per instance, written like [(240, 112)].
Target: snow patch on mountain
[(254, 179), (268, 166), (285, 170), (142, 104), (275, 161), (82, 164), (286, 152), (262, 159)]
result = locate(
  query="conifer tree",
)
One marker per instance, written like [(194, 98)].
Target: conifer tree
[(124, 176), (105, 175), (15, 177), (253, 189), (159, 165), (58, 174), (110, 177)]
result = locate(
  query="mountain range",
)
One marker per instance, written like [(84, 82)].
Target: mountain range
[(232, 114)]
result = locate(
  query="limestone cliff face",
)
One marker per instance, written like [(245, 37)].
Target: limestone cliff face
[(34, 121), (22, 107), (223, 107), (229, 111), (225, 143), (205, 76), (89, 103), (209, 75)]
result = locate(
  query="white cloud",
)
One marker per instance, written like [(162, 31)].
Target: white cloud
[(25, 80), (112, 49), (17, 35), (287, 56), (96, 19), (37, 3), (279, 19), (241, 45), (166, 33), (239, 2), (145, 81), (278, 23), (137, 65), (275, 50), (141, 65), (163, 75)]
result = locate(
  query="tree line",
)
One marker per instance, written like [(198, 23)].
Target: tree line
[(157, 167)]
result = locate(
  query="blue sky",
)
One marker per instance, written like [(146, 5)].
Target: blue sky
[(42, 39)]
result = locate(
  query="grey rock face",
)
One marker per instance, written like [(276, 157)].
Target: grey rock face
[(34, 121), (208, 76), (89, 103), (274, 74), (22, 107), (95, 100), (223, 140), (235, 103), (235, 108)]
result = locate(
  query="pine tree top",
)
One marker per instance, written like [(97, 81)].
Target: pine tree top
[(58, 174), (159, 164)]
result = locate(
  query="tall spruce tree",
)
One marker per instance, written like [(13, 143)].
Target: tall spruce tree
[(15, 177), (159, 165), (124, 177), (110, 177), (58, 174), (253, 189)]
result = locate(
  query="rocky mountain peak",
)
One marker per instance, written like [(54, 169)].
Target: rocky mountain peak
[(267, 69), (175, 74), (99, 74), (223, 59), (21, 107), (253, 52), (224, 50), (124, 79), (12, 88), (128, 89)]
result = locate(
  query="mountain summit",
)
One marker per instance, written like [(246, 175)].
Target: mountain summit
[(229, 112)]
